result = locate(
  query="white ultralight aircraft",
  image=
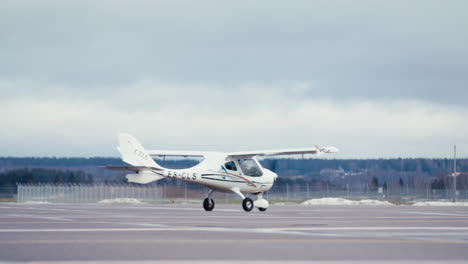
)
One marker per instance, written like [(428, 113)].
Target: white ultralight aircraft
[(237, 172)]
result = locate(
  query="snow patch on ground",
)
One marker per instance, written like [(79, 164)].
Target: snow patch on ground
[(440, 203), (120, 201), (279, 204), (36, 202), (342, 201)]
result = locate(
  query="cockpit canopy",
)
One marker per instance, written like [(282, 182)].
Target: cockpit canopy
[(250, 167)]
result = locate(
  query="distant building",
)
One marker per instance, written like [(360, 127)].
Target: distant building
[(333, 174)]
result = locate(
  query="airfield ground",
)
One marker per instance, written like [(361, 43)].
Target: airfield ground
[(188, 234)]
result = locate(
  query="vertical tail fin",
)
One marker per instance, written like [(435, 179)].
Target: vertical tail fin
[(133, 152)]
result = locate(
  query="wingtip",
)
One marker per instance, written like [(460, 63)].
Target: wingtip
[(333, 149)]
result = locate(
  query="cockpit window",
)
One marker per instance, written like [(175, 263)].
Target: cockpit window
[(230, 166), (250, 167)]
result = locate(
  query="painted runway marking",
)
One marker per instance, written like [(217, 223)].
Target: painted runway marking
[(264, 217), (227, 229), (209, 261), (230, 241), (374, 228), (312, 222), (39, 217), (433, 213), (50, 222), (132, 224)]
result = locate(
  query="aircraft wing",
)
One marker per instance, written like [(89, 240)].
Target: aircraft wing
[(279, 152), (178, 153)]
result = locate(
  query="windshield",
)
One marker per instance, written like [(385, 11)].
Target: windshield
[(250, 167)]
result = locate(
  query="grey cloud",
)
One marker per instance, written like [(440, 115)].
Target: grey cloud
[(220, 59), (81, 126), (111, 42)]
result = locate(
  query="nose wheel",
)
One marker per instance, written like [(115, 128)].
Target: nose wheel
[(248, 204)]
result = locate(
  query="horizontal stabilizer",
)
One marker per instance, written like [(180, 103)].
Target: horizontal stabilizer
[(143, 177)]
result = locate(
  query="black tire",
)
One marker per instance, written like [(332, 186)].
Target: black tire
[(208, 204), (262, 209), (247, 204)]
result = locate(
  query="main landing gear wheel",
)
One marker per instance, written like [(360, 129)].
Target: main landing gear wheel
[(247, 204), (208, 204), (262, 209)]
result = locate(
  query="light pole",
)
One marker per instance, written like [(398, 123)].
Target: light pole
[(454, 173)]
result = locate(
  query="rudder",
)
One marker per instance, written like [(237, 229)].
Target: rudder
[(133, 153)]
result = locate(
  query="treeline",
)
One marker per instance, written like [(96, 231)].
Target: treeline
[(285, 167), (9, 179), (374, 173), (292, 167), (57, 162), (354, 173)]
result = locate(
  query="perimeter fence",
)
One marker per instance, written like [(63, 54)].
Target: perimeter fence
[(162, 193), (85, 193)]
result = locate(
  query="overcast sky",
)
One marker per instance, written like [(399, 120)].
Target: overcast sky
[(377, 79)]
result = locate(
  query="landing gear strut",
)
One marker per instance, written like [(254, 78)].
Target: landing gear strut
[(248, 204), (208, 203)]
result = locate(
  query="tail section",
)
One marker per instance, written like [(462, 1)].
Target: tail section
[(133, 153)]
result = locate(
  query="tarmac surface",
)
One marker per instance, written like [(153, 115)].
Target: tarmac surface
[(176, 233)]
